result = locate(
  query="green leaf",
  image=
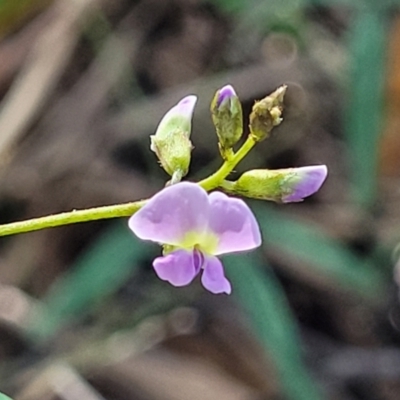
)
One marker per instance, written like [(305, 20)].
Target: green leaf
[(262, 297), (363, 119), (324, 256), (231, 6), (98, 273)]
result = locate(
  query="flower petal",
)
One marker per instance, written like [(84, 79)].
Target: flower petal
[(178, 268), (178, 117), (234, 224), (306, 181), (172, 213), (213, 278)]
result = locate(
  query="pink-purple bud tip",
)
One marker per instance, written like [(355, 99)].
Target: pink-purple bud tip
[(178, 117), (225, 94), (186, 106), (307, 181)]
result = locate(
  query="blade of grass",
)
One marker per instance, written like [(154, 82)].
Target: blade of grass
[(322, 254), (98, 273), (262, 297), (231, 6), (363, 118)]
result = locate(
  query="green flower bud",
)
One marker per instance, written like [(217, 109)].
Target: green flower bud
[(226, 112), (266, 114), (171, 141), (282, 185)]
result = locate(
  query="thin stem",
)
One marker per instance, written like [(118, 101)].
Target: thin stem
[(217, 177), (176, 177), (228, 186), (118, 210), (71, 217)]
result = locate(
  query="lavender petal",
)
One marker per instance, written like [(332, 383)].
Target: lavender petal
[(171, 214), (213, 278), (178, 268), (232, 221)]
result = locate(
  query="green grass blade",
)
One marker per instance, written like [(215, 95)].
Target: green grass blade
[(363, 119), (324, 256), (231, 6), (262, 297), (98, 273)]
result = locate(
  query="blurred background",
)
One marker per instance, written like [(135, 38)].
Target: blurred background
[(314, 313)]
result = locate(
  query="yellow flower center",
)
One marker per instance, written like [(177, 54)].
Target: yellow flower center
[(205, 242)]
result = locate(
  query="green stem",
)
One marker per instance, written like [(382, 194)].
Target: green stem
[(217, 177), (118, 210), (71, 217), (228, 186), (176, 177)]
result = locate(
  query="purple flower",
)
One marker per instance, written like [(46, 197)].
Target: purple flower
[(196, 227), (305, 182)]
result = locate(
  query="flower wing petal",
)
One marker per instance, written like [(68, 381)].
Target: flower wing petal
[(171, 214), (213, 278), (232, 221), (178, 268)]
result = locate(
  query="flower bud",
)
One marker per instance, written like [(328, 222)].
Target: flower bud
[(226, 112), (282, 185), (171, 141), (266, 114)]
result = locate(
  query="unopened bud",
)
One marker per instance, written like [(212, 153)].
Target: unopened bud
[(266, 114), (227, 115), (282, 185), (171, 141)]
